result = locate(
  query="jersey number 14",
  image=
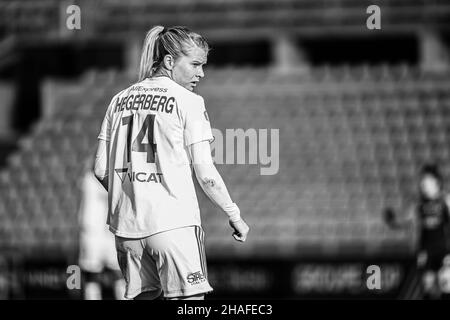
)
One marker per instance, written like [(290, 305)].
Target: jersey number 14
[(137, 145)]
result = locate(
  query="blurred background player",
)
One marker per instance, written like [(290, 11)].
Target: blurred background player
[(97, 257), (432, 216), (444, 278)]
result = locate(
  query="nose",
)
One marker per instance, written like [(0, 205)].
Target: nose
[(200, 73)]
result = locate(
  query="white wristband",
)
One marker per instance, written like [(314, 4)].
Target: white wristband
[(233, 212)]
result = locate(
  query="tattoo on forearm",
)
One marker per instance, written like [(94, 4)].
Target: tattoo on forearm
[(210, 182)]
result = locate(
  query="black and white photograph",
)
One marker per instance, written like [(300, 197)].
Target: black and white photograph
[(243, 150)]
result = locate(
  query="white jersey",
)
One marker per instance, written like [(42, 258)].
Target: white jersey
[(149, 126)]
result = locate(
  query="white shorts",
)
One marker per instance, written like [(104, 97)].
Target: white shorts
[(173, 262)]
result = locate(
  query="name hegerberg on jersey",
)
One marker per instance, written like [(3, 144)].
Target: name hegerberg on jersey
[(143, 101), (150, 125)]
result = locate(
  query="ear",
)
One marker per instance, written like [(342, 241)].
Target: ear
[(168, 61)]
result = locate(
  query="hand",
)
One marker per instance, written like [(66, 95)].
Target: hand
[(241, 230)]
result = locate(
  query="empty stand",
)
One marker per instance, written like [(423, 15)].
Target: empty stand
[(348, 149)]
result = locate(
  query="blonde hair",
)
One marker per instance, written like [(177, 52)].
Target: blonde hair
[(160, 41)]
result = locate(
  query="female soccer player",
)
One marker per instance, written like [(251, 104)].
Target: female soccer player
[(152, 132)]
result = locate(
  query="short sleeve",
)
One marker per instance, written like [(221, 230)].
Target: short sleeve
[(197, 127), (105, 130)]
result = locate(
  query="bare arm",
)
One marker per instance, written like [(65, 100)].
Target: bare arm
[(101, 163), (214, 187), (210, 179)]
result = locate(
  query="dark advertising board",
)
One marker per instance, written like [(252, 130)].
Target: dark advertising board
[(305, 279), (38, 278)]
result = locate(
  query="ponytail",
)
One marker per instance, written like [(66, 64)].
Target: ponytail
[(161, 41), (148, 53)]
